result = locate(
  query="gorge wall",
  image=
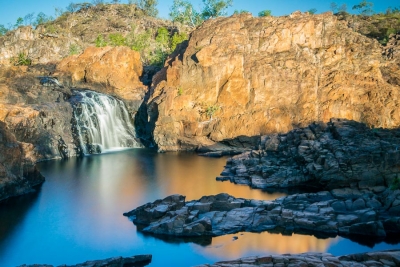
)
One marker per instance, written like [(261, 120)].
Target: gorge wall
[(253, 76)]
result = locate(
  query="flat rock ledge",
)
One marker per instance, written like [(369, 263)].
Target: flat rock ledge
[(381, 258), (344, 212), (134, 261), (323, 156)]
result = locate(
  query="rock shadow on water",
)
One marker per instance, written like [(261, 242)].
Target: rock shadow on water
[(19, 207)]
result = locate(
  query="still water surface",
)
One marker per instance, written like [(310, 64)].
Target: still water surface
[(77, 214)]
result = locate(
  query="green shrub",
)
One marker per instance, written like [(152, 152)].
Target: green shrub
[(74, 49), (3, 30), (139, 42), (180, 91), (116, 39), (100, 42), (265, 13), (210, 110), (21, 60), (176, 39), (395, 184), (162, 37), (158, 57)]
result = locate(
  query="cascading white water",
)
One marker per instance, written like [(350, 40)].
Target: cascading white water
[(102, 123)]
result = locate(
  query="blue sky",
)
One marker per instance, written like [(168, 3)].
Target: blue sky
[(10, 10)]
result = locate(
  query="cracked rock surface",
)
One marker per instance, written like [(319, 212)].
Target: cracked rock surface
[(345, 212), (322, 156)]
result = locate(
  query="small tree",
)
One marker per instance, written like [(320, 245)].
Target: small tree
[(265, 13), (334, 7), (240, 11), (148, 6), (183, 12), (3, 30), (312, 11), (364, 8), (29, 18), (215, 8), (343, 8), (20, 22)]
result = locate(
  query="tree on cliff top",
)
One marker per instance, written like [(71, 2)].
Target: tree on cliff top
[(364, 8), (215, 8), (148, 6), (184, 12)]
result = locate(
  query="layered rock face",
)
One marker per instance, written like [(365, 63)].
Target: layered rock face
[(342, 212), (253, 76), (18, 173), (38, 111), (114, 71), (382, 258), (337, 154)]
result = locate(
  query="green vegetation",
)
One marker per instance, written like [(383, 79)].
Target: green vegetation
[(180, 91), (117, 39), (240, 11), (3, 30), (74, 49), (176, 39), (215, 8), (182, 11), (149, 7), (210, 110), (100, 42), (364, 8), (265, 13), (312, 11), (395, 184), (21, 60)]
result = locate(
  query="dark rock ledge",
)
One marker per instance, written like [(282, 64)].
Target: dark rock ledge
[(322, 156), (344, 212), (382, 258), (134, 261)]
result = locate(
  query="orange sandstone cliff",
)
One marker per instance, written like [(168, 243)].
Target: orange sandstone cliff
[(249, 76)]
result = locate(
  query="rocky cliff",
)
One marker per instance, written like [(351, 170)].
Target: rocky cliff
[(36, 109), (251, 76), (18, 173)]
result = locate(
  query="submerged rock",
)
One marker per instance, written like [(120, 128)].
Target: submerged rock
[(322, 156), (380, 258), (339, 212)]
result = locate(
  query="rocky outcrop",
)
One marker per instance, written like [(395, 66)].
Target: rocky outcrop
[(18, 174), (73, 32), (110, 70), (322, 156), (380, 258), (255, 76), (342, 212), (134, 261), (37, 108)]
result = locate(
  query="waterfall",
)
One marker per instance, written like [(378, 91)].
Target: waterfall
[(101, 123)]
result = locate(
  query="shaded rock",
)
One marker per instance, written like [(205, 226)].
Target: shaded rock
[(343, 156), (18, 174), (312, 213), (380, 258), (134, 261)]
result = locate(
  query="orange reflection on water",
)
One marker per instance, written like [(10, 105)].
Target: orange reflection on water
[(264, 243), (195, 177)]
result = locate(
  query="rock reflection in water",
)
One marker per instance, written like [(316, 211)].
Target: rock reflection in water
[(229, 247)]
